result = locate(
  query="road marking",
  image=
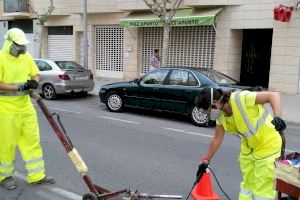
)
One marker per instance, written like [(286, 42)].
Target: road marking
[(56, 190), (187, 132), (60, 109), (199, 134), (174, 129), (116, 119)]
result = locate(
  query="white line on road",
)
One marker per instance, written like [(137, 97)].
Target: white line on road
[(173, 129), (199, 134), (187, 132), (64, 110), (116, 119), (59, 191), (59, 109)]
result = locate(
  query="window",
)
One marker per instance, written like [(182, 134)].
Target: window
[(60, 30), (43, 66), (182, 77), (155, 77), (68, 65), (179, 77), (192, 80)]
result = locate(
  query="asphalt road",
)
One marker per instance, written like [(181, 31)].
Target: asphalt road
[(156, 153)]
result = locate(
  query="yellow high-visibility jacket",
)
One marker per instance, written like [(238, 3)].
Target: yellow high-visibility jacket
[(252, 123), (15, 70)]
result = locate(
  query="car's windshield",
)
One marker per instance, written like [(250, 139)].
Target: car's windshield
[(218, 77), (68, 65)]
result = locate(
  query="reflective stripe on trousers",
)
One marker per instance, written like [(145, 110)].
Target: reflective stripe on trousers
[(35, 165), (248, 195), (6, 170)]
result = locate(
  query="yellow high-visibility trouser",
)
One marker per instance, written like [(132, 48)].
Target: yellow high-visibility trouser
[(21, 130), (258, 177)]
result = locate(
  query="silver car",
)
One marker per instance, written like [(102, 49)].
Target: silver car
[(62, 77)]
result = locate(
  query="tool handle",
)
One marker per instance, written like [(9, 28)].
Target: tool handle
[(283, 145)]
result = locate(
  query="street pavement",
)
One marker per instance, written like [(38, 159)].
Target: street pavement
[(290, 103)]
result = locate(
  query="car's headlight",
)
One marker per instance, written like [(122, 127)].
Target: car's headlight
[(102, 89)]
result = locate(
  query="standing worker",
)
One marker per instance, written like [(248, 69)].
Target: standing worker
[(243, 114), (155, 60), (18, 119)]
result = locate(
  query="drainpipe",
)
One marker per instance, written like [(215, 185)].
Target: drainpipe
[(85, 38), (298, 89)]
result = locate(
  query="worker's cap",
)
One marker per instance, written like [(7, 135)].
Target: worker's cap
[(16, 35)]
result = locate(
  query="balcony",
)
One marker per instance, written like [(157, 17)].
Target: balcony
[(16, 8)]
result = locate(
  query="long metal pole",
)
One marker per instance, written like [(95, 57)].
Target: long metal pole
[(85, 38)]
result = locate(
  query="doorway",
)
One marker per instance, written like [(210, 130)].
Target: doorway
[(256, 57)]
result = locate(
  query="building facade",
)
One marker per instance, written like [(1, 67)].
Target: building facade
[(243, 40)]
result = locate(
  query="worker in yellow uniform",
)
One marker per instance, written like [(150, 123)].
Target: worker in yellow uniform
[(18, 119), (242, 113)]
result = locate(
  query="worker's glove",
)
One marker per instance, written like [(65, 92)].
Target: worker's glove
[(30, 84), (202, 168), (279, 124)]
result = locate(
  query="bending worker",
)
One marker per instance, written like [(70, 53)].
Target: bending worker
[(18, 119), (243, 114)]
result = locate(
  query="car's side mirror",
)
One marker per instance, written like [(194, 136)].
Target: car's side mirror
[(136, 81)]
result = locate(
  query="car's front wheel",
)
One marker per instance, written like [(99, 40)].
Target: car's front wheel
[(199, 117), (114, 102), (49, 92)]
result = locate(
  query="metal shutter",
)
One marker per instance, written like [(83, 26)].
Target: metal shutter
[(109, 51), (61, 47), (189, 46)]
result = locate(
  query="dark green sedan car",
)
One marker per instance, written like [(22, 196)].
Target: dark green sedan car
[(167, 89)]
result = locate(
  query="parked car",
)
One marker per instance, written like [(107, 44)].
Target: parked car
[(62, 77), (167, 89)]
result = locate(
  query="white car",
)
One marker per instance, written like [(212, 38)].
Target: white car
[(62, 77)]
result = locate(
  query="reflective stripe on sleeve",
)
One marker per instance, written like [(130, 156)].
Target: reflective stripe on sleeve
[(13, 93)]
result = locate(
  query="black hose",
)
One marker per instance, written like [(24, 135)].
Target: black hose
[(218, 183), (198, 179)]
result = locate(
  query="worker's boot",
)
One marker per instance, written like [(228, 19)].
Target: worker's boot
[(9, 183), (46, 180)]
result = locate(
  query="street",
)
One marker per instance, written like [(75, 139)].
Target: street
[(156, 153)]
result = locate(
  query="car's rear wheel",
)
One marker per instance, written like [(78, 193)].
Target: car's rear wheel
[(49, 92), (199, 117), (114, 102)]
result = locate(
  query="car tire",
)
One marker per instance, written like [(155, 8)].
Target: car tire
[(49, 92), (199, 117), (114, 102)]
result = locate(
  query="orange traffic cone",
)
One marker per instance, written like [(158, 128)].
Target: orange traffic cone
[(204, 189)]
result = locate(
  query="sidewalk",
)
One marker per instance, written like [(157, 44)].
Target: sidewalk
[(290, 104)]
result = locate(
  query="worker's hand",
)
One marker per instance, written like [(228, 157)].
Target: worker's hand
[(30, 84), (202, 168), (279, 124)]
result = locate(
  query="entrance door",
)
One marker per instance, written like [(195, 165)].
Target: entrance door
[(256, 56)]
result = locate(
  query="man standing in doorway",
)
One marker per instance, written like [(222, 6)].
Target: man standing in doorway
[(155, 60)]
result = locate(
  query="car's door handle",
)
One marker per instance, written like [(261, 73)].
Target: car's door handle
[(156, 89), (188, 91)]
